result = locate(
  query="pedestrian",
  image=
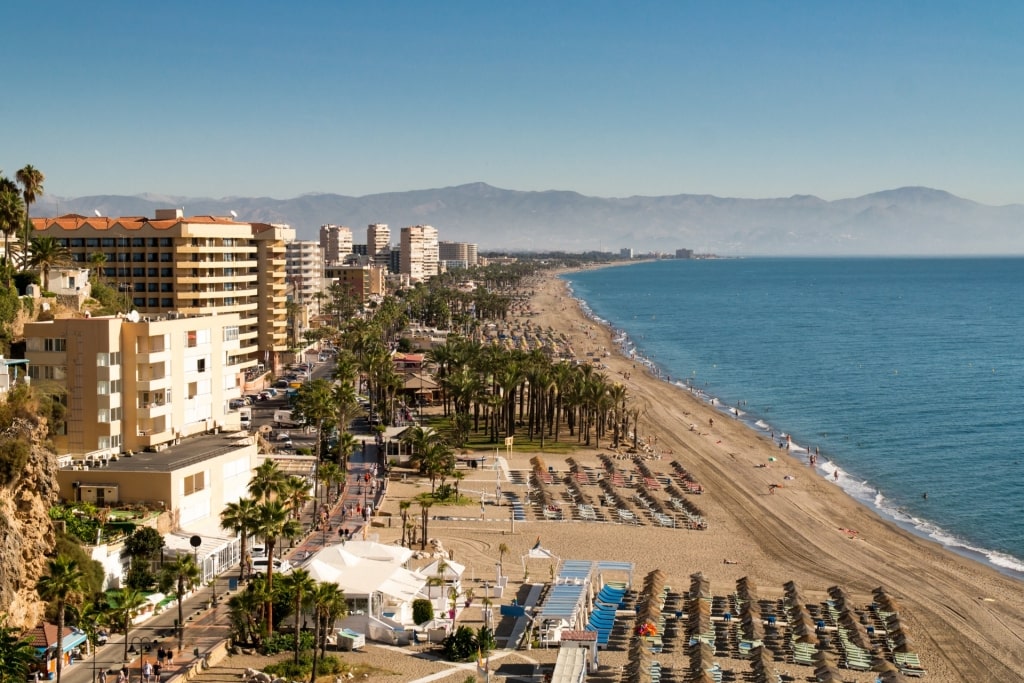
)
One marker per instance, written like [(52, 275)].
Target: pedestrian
[(160, 655), (835, 474), (103, 676), (147, 671), (156, 672)]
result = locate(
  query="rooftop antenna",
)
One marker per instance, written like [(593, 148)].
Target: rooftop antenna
[(97, 212)]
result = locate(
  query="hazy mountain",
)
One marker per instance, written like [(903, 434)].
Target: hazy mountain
[(910, 220)]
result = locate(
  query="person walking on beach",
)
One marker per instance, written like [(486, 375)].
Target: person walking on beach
[(835, 474)]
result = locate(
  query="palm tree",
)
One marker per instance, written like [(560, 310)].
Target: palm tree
[(295, 493), (17, 654), (241, 517), (31, 180), (329, 604), (246, 609), (124, 607), (502, 549), (424, 514), (12, 216), (331, 475), (97, 261), (275, 522), (181, 575), (299, 584), (62, 585), (48, 252), (266, 481), (89, 618), (315, 405), (403, 510)]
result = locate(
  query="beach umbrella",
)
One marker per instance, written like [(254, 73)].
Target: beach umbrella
[(701, 656)]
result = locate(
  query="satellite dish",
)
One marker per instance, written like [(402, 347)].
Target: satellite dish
[(234, 214), (133, 316), (97, 212)]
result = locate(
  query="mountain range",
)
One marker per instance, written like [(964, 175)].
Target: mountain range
[(904, 221)]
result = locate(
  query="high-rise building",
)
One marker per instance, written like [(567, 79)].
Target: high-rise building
[(305, 270), (461, 253), (272, 314), (378, 243), (336, 242), (419, 247), (171, 265), (132, 384)]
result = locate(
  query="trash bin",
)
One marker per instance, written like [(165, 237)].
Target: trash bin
[(232, 584)]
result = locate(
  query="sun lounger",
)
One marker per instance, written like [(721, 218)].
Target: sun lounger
[(627, 516)]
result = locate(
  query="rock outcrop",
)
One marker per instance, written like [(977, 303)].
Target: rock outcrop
[(26, 530)]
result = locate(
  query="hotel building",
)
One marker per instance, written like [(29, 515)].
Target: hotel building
[(336, 242), (419, 253), (378, 244), (305, 270), (201, 265)]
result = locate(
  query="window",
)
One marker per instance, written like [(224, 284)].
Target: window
[(77, 242), (153, 257), (166, 257), (166, 272), (201, 365), (115, 414), (123, 257), (138, 257), (103, 415), (58, 344), (203, 336), (92, 242), (166, 302), (115, 386), (166, 286), (115, 358), (153, 302), (166, 242), (190, 339), (138, 242), (138, 272), (102, 387), (195, 483), (151, 272), (231, 333), (122, 241), (107, 242), (139, 302), (140, 287), (152, 287), (152, 242)]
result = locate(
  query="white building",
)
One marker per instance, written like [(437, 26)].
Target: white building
[(419, 253)]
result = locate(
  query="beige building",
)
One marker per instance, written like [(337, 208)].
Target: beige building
[(462, 254), (200, 265), (192, 481), (272, 294), (362, 281), (378, 244), (305, 271), (419, 253), (137, 385), (336, 242)]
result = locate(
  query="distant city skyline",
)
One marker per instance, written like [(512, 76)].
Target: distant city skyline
[(744, 99)]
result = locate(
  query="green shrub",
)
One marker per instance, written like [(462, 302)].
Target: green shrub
[(327, 666), (459, 646), (285, 642), (422, 611), (13, 458)]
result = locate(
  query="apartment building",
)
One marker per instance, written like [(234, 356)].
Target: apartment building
[(419, 253), (457, 254), (173, 265), (305, 270), (378, 243), (336, 242), (272, 286), (133, 384), (362, 281)]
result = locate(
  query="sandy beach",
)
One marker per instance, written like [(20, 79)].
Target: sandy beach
[(966, 621)]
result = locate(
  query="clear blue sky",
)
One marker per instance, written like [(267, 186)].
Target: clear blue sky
[(742, 99)]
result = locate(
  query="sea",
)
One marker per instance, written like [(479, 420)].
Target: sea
[(906, 375)]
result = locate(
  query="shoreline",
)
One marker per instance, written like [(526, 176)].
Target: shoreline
[(967, 615), (925, 529)]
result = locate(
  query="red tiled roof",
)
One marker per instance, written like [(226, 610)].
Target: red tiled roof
[(45, 635), (73, 221)]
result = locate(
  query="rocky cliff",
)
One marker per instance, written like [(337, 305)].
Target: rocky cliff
[(26, 530)]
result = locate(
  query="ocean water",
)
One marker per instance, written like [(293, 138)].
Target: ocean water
[(906, 374)]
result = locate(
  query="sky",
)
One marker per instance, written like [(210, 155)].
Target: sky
[(610, 99)]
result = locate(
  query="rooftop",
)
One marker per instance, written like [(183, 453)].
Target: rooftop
[(190, 451)]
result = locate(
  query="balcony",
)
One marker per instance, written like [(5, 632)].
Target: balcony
[(149, 411)]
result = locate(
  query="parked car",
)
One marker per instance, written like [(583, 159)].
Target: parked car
[(259, 564)]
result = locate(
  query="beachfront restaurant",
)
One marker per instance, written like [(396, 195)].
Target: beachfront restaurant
[(44, 639)]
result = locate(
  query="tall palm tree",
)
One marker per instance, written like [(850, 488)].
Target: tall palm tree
[(275, 521), (47, 253), (241, 517), (89, 618), (329, 604), (62, 585), (181, 576), (502, 549), (31, 180), (315, 405), (266, 481), (17, 654), (295, 493), (299, 584), (12, 215), (125, 605), (331, 475), (425, 506), (97, 261), (403, 510)]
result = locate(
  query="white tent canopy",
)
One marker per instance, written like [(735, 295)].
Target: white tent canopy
[(537, 552), (363, 576), (453, 571)]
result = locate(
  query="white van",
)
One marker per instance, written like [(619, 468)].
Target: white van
[(283, 418)]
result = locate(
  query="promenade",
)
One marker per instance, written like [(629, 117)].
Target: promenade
[(207, 626)]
